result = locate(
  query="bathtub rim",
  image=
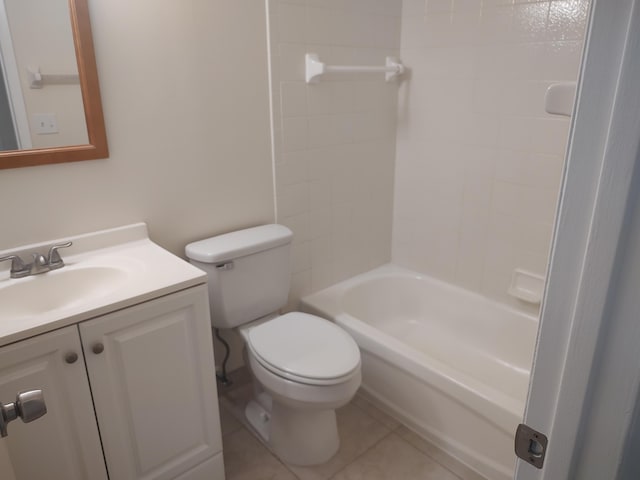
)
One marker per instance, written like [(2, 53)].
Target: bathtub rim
[(328, 295), (466, 391), (486, 467), (498, 408)]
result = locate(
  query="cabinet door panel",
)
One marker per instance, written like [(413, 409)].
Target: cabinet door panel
[(64, 443), (212, 469), (154, 386)]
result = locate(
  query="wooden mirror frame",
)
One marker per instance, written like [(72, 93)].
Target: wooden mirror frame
[(88, 73)]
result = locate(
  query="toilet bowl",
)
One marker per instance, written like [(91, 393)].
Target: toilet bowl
[(304, 366), (308, 367)]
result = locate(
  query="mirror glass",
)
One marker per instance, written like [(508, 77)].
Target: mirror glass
[(50, 107), (41, 102)]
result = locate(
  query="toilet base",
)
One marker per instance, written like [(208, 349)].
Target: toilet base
[(298, 437), (259, 417)]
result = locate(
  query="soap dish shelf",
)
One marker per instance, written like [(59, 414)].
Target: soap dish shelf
[(526, 286)]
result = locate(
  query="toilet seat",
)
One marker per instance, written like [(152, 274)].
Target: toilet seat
[(304, 348)]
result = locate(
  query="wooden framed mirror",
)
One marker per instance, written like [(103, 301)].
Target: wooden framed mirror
[(24, 112)]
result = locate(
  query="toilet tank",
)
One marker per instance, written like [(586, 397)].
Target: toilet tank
[(248, 272)]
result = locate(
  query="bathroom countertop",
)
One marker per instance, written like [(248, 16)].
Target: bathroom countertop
[(148, 272)]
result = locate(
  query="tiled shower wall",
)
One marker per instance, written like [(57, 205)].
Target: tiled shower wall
[(479, 162), (334, 140)]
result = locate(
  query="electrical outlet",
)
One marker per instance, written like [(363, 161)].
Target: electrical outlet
[(45, 123)]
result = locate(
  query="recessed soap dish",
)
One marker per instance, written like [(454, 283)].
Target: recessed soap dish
[(526, 286), (559, 98)]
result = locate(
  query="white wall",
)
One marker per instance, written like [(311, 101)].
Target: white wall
[(42, 37), (335, 140), (185, 96), (478, 160)]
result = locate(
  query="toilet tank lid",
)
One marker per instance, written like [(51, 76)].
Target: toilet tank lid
[(237, 244)]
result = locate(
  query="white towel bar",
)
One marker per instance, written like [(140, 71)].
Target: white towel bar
[(315, 68), (38, 80)]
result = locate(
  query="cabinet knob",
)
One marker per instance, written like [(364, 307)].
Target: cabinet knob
[(97, 348), (29, 406), (71, 357)]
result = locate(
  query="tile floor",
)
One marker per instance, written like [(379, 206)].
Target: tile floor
[(373, 446)]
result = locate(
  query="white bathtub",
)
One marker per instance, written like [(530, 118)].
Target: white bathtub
[(450, 364)]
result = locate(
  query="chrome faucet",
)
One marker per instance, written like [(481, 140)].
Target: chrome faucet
[(40, 264), (18, 268), (54, 261)]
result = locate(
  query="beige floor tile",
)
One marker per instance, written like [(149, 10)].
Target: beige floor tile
[(364, 403), (358, 432), (247, 459), (394, 459), (460, 469), (239, 377), (240, 396), (228, 422), (234, 402)]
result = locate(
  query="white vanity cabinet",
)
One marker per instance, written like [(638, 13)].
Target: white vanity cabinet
[(149, 382), (64, 443), (153, 382)]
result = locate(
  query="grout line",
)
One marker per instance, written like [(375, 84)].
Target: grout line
[(286, 467), (425, 454), (244, 425), (289, 469), (382, 411), (375, 420), (269, 452), (442, 452), (228, 412), (400, 425), (390, 432)]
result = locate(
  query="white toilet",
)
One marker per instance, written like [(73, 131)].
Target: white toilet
[(306, 366)]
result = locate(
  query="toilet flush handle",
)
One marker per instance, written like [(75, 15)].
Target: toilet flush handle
[(225, 266)]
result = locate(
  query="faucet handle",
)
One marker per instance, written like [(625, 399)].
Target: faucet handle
[(18, 268), (54, 260)]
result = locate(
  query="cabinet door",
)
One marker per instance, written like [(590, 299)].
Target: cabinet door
[(64, 443), (153, 381)]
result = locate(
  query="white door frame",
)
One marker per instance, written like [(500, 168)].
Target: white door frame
[(9, 68), (589, 226)]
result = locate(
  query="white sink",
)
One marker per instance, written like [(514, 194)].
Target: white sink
[(63, 288), (104, 271)]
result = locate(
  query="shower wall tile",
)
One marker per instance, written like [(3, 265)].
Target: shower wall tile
[(293, 98), (334, 141), (295, 134), (291, 23), (478, 161)]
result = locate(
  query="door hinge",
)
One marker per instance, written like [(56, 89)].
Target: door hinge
[(531, 445)]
